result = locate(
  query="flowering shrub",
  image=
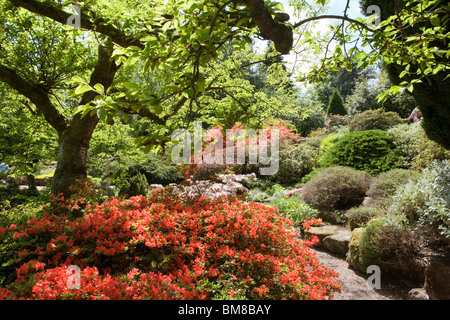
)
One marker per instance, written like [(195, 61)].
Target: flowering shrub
[(218, 136), (167, 247)]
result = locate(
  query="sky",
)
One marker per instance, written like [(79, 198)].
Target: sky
[(335, 7)]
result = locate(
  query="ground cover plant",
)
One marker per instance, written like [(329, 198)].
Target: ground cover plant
[(164, 247)]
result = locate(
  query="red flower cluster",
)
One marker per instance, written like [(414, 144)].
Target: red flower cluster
[(162, 248)]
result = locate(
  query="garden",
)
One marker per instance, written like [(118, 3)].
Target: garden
[(93, 205)]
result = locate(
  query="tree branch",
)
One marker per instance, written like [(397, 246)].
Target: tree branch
[(280, 33), (58, 15), (37, 95), (359, 23)]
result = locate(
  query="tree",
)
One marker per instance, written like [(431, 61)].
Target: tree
[(411, 37), (40, 54), (417, 56), (336, 105), (364, 97), (26, 139)]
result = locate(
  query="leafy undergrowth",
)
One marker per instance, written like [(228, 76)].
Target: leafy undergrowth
[(164, 247)]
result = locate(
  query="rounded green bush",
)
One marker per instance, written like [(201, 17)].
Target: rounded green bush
[(358, 217), (136, 185), (336, 188), (388, 244), (373, 120), (370, 151)]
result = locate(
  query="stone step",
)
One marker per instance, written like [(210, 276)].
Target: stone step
[(331, 237)]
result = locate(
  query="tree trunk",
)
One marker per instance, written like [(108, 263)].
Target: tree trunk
[(72, 159)]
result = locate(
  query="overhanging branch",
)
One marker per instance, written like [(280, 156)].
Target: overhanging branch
[(358, 23), (37, 96), (58, 15)]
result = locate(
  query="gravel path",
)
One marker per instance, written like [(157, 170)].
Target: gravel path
[(354, 284)]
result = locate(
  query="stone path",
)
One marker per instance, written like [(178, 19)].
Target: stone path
[(354, 284), (331, 251)]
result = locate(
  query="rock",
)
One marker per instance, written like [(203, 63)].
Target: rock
[(437, 279), (155, 186), (353, 250), (338, 242), (367, 201), (418, 294), (321, 232)]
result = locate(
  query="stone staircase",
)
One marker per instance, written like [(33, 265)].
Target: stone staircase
[(333, 238)]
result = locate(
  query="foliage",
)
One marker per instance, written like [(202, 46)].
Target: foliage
[(295, 162), (410, 37), (358, 217), (295, 210), (136, 185), (371, 151), (336, 188), (314, 121), (218, 136), (387, 243), (426, 203), (374, 119), (27, 141), (406, 138), (164, 248), (429, 151), (384, 185), (364, 97), (336, 105)]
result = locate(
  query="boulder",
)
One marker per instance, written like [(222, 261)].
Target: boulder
[(338, 242), (353, 250), (418, 294), (437, 278)]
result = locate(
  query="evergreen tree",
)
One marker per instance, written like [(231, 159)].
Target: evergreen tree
[(336, 104)]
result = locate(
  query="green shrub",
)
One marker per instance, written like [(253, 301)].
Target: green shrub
[(295, 162), (257, 195), (336, 121), (155, 168), (336, 104), (295, 210), (305, 126), (327, 142), (388, 244), (406, 139), (312, 174), (358, 217), (426, 203), (336, 188), (373, 120), (429, 151), (370, 151), (136, 185), (383, 186)]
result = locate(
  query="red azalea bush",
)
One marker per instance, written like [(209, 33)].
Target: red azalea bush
[(217, 137), (167, 247)]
